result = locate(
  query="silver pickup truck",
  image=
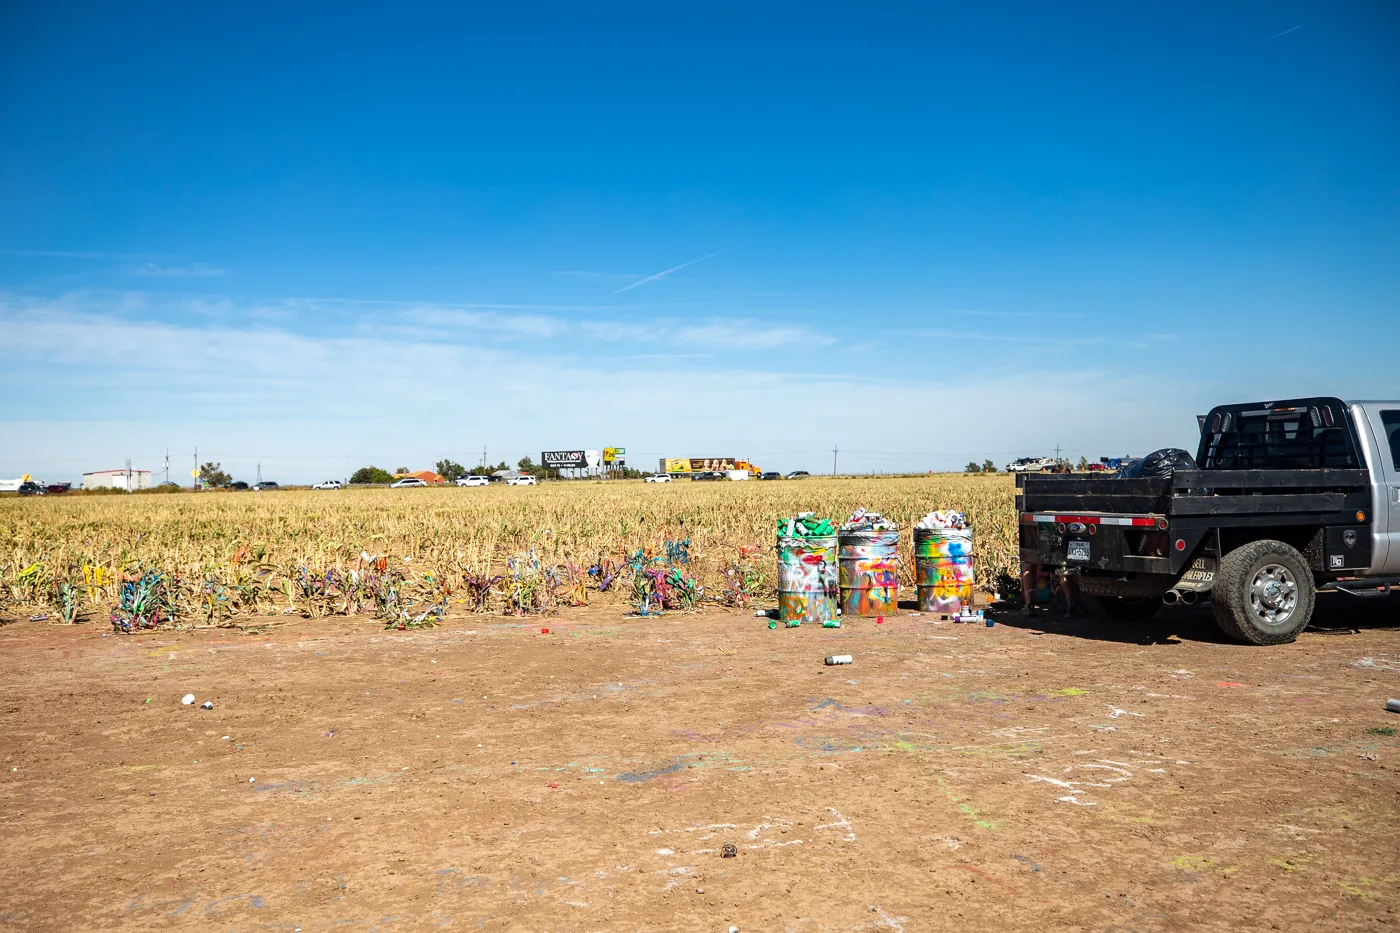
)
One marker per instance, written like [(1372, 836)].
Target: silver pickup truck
[(1289, 498)]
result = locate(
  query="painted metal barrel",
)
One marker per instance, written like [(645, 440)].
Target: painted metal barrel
[(869, 572), (807, 586), (943, 568)]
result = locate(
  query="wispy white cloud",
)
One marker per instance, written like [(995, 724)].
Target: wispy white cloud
[(334, 303), (249, 389), (482, 323), (608, 277), (750, 335), (198, 270), (973, 312), (663, 274), (61, 253)]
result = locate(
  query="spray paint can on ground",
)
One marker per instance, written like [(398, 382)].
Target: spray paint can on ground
[(869, 572), (943, 568), (807, 582)]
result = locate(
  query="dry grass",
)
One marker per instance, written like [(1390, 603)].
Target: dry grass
[(227, 556)]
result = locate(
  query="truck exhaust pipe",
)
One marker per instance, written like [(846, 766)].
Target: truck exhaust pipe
[(1185, 598)]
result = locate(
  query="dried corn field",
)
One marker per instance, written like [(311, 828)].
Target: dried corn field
[(411, 556)]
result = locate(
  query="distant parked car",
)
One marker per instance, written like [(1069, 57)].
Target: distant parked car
[(406, 482), (264, 485), (706, 476), (238, 486), (474, 480), (32, 489), (54, 489), (330, 484), (659, 478), (1033, 465), (521, 481), (798, 474), (770, 476)]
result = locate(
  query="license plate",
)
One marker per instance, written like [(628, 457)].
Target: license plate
[(1078, 550)]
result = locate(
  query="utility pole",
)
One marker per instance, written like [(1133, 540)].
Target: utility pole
[(483, 456), (835, 448), (167, 466), (1057, 453), (128, 474), (260, 472), (196, 466)]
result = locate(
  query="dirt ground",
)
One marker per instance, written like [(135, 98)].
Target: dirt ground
[(1040, 774)]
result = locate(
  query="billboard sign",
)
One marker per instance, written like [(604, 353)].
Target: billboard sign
[(563, 459), (590, 457), (614, 454)]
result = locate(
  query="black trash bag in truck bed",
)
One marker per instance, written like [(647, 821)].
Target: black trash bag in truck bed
[(1162, 462)]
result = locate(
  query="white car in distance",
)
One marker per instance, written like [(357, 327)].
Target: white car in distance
[(330, 484), (406, 482), (521, 481), (474, 480), (1032, 465), (659, 478)]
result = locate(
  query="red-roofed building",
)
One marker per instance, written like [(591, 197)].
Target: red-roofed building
[(427, 476)]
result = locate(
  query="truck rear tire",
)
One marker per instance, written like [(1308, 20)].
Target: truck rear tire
[(1123, 609), (1263, 593)]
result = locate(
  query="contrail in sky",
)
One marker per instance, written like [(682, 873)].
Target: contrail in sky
[(662, 275), (1287, 31)]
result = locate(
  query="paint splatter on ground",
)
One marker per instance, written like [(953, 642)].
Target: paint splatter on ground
[(1036, 776)]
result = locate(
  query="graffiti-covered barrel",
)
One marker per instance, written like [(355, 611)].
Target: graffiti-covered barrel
[(943, 568), (807, 583), (869, 572)]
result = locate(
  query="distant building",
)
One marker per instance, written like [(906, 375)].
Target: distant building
[(427, 476), (117, 479)]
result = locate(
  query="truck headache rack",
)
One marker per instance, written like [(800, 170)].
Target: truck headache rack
[(1309, 433)]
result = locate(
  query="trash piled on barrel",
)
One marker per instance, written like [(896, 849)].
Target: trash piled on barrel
[(863, 520), (805, 525), (942, 519)]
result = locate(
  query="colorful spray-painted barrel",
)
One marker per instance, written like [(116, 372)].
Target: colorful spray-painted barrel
[(807, 583), (869, 572), (943, 568)]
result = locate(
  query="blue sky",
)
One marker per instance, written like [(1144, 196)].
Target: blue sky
[(325, 235)]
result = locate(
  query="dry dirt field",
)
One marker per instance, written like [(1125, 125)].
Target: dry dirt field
[(1039, 775)]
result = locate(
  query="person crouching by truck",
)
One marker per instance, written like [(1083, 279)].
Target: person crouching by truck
[(1039, 587)]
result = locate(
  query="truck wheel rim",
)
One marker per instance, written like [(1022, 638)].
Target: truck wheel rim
[(1273, 595)]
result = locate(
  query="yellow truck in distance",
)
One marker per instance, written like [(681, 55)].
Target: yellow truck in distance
[(687, 466)]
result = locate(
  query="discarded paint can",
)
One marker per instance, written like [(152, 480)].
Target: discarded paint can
[(943, 568), (807, 580), (869, 572), (728, 850), (838, 659), (1393, 705)]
